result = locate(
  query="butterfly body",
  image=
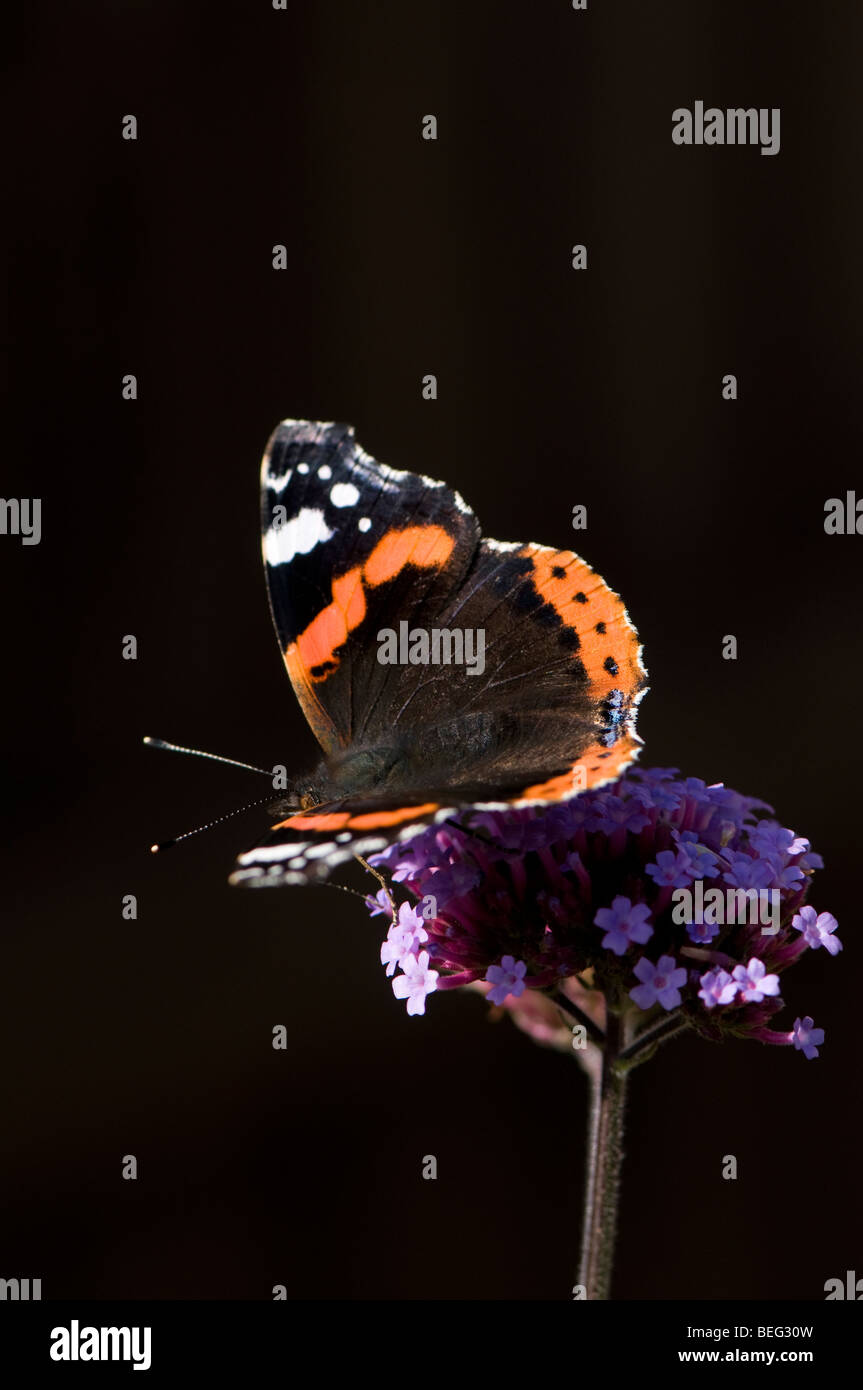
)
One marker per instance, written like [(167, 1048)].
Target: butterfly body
[(437, 669)]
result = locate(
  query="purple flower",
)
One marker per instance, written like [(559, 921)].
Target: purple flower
[(519, 831), (753, 981), (791, 877), (416, 982), (746, 872), (507, 978), (451, 881), (702, 933), (705, 863), (623, 924), (672, 870), (404, 938), (717, 987), (520, 903), (661, 796), (810, 860), (734, 810), (806, 1038), (617, 813), (659, 983), (818, 930), (770, 838), (402, 860)]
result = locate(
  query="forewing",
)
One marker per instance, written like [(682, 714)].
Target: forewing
[(349, 546)]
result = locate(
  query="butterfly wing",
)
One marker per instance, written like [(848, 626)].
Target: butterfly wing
[(562, 681), (352, 547), (307, 846), (349, 543)]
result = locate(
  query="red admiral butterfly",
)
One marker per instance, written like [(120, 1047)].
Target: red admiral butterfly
[(355, 551)]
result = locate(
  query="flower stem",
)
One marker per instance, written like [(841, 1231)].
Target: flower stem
[(605, 1156), (646, 1043), (593, 1032)]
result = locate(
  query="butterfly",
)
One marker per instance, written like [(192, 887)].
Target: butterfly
[(438, 669)]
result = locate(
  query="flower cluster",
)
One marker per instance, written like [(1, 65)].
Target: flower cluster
[(653, 895)]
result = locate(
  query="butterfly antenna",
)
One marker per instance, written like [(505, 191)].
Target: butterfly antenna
[(384, 885), (342, 888), (199, 753), (168, 844)]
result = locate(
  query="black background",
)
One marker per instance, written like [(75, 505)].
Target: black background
[(153, 1037)]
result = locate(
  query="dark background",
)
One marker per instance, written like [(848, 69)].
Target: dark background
[(153, 1037)]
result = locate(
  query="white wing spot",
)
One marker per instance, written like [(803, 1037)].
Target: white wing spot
[(318, 851), (344, 495), (279, 484), (297, 537), (302, 468), (365, 523), (325, 472), (262, 854)]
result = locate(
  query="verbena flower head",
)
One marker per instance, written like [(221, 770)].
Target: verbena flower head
[(658, 894)]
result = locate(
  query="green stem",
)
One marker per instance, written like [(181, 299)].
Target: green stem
[(605, 1156)]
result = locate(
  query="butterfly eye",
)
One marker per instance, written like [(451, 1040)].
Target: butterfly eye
[(297, 799)]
